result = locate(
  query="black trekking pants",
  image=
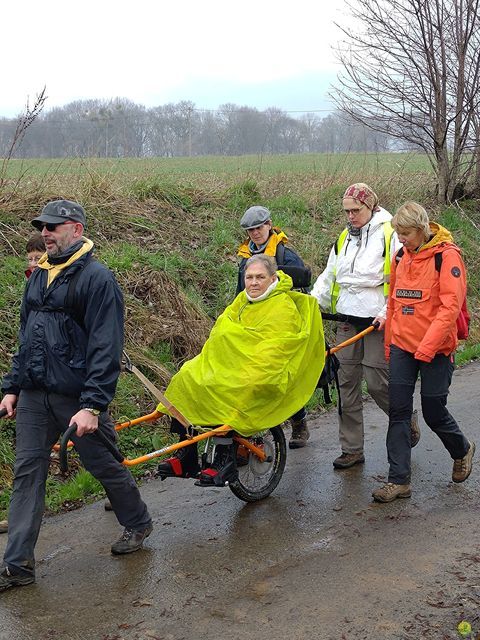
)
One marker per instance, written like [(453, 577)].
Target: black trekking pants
[(435, 378)]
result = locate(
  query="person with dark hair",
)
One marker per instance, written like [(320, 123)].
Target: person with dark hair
[(264, 238), (355, 284), (35, 249), (428, 287), (65, 372)]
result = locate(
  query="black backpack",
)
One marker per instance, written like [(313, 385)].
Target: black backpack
[(329, 376), (301, 276)]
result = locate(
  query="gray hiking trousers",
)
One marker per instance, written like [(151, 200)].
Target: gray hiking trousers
[(41, 418), (364, 359)]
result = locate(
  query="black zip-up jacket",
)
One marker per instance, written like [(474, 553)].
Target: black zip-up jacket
[(74, 354)]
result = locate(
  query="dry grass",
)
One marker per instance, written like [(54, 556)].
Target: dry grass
[(158, 311)]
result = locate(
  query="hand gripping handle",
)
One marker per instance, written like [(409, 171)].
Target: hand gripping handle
[(63, 453)]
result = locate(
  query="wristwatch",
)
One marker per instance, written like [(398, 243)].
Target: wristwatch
[(94, 412)]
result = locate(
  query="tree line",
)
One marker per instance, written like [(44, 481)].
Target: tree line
[(410, 79), (119, 128)]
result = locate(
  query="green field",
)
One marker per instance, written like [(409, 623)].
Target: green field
[(169, 230), (178, 168)]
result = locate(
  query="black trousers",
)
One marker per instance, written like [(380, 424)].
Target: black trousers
[(41, 418), (435, 377)]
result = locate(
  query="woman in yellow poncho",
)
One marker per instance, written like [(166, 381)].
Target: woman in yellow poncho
[(260, 365)]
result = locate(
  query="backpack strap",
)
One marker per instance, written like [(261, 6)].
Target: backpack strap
[(335, 288), (387, 236), (71, 305), (280, 254), (437, 257), (399, 254)]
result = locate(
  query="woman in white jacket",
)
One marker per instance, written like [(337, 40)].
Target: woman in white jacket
[(355, 284)]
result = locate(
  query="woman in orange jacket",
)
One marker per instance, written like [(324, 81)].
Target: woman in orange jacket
[(427, 288)]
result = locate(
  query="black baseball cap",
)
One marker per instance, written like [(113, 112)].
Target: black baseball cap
[(59, 211)]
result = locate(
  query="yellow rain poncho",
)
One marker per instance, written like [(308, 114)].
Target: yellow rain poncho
[(259, 366)]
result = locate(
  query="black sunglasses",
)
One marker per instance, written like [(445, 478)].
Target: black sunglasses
[(51, 226)]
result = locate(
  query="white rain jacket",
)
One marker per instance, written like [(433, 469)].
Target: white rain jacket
[(360, 265)]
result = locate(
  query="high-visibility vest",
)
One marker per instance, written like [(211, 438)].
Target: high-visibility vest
[(335, 288)]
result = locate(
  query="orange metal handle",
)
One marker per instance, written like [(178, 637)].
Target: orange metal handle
[(351, 340)]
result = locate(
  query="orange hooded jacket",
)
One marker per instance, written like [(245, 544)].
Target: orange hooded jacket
[(424, 303)]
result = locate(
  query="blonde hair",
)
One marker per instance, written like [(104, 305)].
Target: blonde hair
[(411, 215)]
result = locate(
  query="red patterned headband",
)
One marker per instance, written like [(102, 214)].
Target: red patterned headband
[(362, 192)]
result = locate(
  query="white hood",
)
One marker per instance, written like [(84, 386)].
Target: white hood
[(359, 266)]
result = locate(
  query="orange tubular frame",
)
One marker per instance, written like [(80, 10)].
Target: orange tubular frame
[(150, 417), (218, 431)]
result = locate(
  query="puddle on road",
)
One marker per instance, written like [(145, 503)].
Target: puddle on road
[(56, 552), (323, 543)]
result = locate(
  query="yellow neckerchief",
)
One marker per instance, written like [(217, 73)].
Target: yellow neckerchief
[(55, 269), (276, 237), (440, 235)]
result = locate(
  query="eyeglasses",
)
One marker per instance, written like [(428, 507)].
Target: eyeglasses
[(51, 226), (354, 211)]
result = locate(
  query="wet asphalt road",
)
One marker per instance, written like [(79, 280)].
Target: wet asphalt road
[(318, 559)]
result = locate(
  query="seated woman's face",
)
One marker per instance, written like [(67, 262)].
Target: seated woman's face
[(257, 280), (357, 212)]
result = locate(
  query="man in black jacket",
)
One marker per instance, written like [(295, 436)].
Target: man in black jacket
[(66, 371)]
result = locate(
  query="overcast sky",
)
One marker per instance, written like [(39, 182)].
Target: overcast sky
[(259, 53)]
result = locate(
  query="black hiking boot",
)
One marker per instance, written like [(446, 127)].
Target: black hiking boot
[(10, 579)]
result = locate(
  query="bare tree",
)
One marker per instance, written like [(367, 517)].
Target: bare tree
[(25, 120), (412, 71)]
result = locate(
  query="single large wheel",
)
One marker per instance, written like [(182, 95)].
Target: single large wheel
[(257, 479)]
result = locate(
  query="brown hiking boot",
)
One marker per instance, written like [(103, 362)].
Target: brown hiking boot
[(131, 540), (3, 526), (346, 460), (462, 467), (300, 434), (391, 491), (414, 429)]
